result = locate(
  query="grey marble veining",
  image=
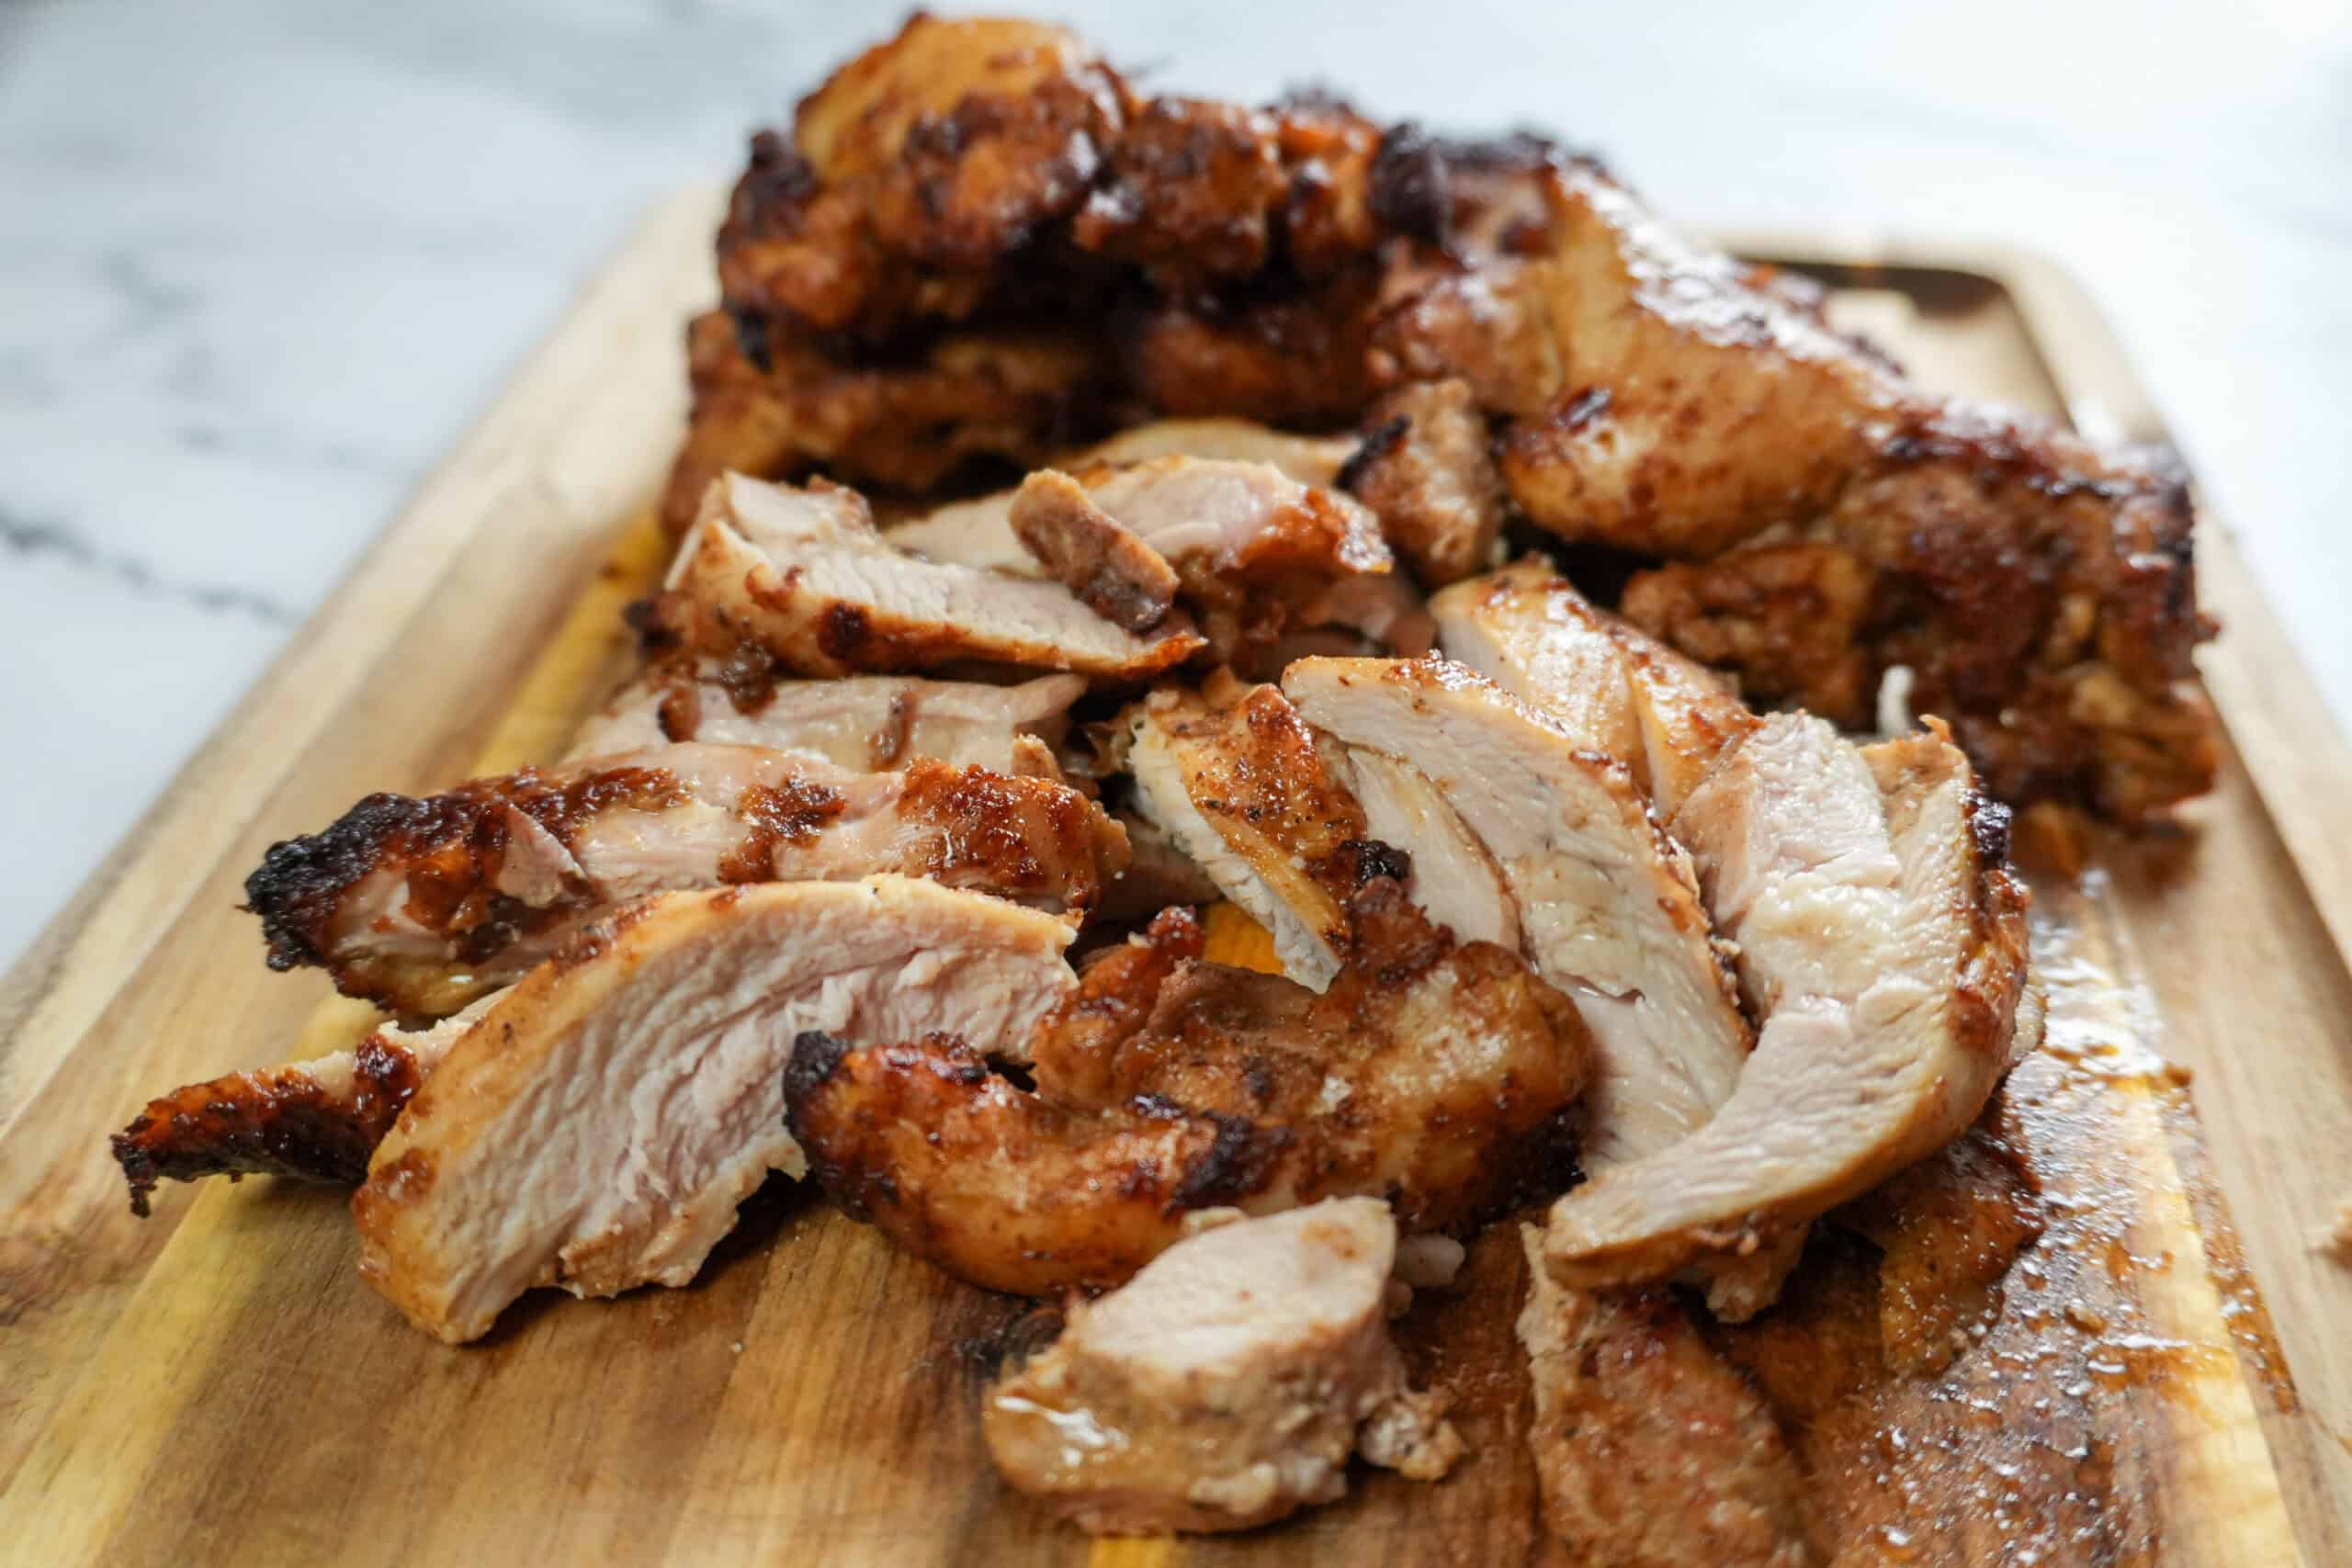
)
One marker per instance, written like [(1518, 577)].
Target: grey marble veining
[(261, 263)]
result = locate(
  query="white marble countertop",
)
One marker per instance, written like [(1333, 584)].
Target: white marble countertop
[(261, 263)]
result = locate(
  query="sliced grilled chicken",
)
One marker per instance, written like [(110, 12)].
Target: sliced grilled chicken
[(802, 574), (1248, 519), (1787, 827), (596, 1127), (980, 532), (1110, 568), (1430, 1074), (1652, 1451), (1696, 409), (1075, 1055), (315, 1121), (1256, 554), (1616, 690), (1883, 937), (1226, 1386), (1451, 874), (1825, 521), (865, 723), (1608, 906), (1232, 775), (1619, 693), (422, 905), (1426, 470)]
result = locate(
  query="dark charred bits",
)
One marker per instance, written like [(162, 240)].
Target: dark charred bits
[(843, 632), (816, 1057), (650, 619), (748, 675), (1408, 186), (1236, 1164), (1378, 442), (1376, 860), (1988, 826), (791, 812), (448, 848), (276, 1124)]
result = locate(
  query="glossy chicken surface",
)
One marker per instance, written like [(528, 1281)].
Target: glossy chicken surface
[(422, 905), (1516, 338), (1430, 1073), (1226, 1385), (595, 1128), (1120, 531), (1651, 1449), (1232, 774)]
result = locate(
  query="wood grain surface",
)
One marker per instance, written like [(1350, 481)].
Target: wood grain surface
[(215, 1384)]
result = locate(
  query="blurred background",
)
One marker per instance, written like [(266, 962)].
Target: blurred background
[(261, 263)]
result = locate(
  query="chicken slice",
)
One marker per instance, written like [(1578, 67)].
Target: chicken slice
[(1426, 470), (1249, 519), (1825, 522), (1883, 940), (1114, 573), (1550, 650), (1947, 1231), (315, 1121), (596, 1127), (1254, 553), (1231, 773), (1452, 876), (980, 532), (860, 722), (1226, 1386), (1621, 693), (1002, 1189), (1609, 909), (422, 905), (1695, 409), (916, 171), (1652, 1451), (1618, 692), (1430, 1074), (802, 574)]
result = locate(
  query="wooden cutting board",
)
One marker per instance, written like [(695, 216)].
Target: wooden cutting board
[(215, 1384)]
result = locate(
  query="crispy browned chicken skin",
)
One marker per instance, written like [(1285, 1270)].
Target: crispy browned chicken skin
[(316, 1120), (1430, 1074), (981, 240), (422, 905)]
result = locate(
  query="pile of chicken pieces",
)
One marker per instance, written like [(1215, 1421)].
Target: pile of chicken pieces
[(979, 240), (886, 869)]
